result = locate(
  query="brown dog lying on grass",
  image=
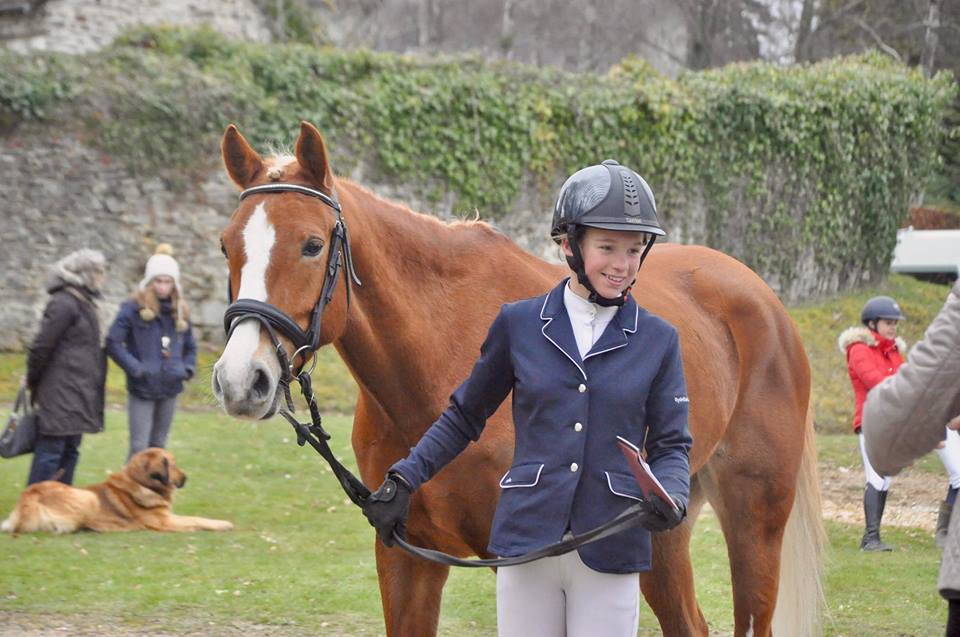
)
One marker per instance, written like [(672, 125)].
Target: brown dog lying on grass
[(138, 498)]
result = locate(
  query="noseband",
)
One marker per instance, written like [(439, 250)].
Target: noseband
[(276, 321)]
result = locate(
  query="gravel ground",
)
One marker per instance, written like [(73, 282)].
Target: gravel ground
[(913, 502)]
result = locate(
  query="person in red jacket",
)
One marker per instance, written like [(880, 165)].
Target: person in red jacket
[(873, 353)]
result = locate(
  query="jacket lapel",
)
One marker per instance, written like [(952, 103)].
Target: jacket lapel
[(615, 335), (557, 328)]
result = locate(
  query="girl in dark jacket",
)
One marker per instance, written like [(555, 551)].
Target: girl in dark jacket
[(585, 364), (152, 341), (66, 368)]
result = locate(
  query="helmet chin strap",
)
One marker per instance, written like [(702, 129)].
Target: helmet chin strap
[(575, 262)]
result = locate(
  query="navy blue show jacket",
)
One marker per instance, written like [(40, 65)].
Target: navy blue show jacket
[(568, 472), (135, 345)]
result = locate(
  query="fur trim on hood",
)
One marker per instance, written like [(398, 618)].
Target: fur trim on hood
[(863, 335), (78, 269)]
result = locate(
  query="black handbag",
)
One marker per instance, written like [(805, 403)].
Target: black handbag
[(20, 434)]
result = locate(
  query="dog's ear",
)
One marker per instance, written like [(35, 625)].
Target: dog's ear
[(163, 476)]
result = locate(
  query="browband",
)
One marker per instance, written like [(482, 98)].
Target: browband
[(303, 190)]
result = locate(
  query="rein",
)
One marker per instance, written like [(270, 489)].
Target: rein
[(307, 343)]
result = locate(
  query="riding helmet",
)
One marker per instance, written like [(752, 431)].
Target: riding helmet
[(880, 307), (607, 196)]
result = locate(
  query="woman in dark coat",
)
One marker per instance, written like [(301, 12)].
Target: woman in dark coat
[(66, 366), (151, 339)]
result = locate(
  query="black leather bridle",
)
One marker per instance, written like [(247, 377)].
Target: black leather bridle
[(306, 343)]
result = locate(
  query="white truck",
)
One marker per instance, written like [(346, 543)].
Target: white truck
[(927, 254)]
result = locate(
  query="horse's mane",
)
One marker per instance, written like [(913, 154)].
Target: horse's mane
[(280, 158), (462, 232)]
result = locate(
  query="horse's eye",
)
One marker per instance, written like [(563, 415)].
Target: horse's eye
[(312, 247)]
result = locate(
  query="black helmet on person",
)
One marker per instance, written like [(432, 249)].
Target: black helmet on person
[(880, 307), (610, 197)]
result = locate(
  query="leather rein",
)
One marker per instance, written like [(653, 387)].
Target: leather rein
[(306, 343)]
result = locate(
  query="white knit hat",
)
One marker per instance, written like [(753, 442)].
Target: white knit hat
[(161, 264)]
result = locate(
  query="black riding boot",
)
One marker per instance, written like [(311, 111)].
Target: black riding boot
[(943, 524), (873, 505)]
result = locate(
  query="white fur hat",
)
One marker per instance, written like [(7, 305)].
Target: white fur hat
[(161, 263)]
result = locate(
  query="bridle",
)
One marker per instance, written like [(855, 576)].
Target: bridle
[(306, 343)]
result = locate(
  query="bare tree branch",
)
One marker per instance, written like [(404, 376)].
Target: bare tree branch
[(804, 31), (839, 14), (886, 48), (930, 40)]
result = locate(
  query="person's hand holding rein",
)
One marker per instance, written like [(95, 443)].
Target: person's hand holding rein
[(387, 508)]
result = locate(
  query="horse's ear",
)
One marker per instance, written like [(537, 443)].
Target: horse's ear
[(311, 154), (242, 162)]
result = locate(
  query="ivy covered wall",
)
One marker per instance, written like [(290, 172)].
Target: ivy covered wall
[(804, 173)]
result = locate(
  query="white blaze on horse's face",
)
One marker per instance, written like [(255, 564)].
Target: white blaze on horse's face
[(245, 378)]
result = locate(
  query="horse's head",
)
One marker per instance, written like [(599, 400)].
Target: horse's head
[(277, 245)]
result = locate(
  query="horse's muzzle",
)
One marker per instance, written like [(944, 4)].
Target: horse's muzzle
[(247, 393)]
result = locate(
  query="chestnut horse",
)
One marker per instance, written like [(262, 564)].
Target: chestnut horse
[(411, 332)]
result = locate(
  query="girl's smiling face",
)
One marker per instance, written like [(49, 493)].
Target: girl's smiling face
[(887, 328), (611, 260)]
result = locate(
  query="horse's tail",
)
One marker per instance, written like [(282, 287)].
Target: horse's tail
[(800, 600)]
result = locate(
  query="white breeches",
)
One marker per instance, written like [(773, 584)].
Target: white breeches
[(950, 457), (879, 482), (563, 597)]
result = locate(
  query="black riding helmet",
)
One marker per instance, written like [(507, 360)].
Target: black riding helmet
[(607, 196), (880, 307)]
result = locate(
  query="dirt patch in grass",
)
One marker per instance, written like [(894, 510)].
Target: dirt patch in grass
[(44, 625), (914, 498)]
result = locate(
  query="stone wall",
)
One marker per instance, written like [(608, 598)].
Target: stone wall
[(581, 36), (60, 195), (79, 26)]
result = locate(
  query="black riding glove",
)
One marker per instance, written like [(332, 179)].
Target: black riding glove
[(660, 516), (387, 508)]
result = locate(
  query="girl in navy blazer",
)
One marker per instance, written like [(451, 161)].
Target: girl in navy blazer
[(152, 341), (585, 364)]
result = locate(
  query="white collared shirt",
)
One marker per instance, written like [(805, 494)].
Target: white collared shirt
[(587, 319)]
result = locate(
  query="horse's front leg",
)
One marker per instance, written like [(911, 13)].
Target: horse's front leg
[(410, 589), (668, 588)]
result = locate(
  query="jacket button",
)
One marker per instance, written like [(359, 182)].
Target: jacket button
[(582, 388), (574, 466), (578, 427)]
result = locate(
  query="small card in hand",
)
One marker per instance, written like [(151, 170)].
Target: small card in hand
[(649, 485)]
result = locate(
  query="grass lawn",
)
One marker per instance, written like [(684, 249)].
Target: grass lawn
[(301, 557)]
